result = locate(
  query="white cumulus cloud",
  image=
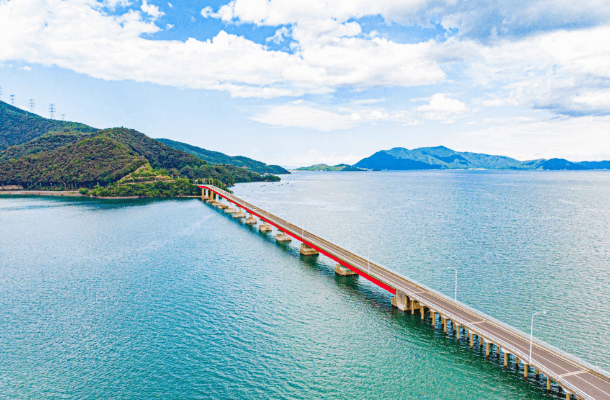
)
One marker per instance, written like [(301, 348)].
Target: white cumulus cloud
[(442, 108)]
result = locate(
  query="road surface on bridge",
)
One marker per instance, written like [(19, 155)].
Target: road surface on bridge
[(574, 375)]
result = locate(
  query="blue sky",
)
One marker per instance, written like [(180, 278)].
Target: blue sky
[(297, 83)]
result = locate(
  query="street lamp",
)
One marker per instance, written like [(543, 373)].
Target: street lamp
[(455, 294), (532, 334)]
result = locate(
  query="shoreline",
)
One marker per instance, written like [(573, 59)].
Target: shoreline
[(70, 193)]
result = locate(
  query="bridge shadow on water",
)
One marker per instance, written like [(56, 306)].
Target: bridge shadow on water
[(419, 336)]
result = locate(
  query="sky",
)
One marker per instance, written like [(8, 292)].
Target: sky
[(297, 83)]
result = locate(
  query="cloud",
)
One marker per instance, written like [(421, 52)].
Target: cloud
[(26, 68), (151, 10), (282, 12), (50, 32), (442, 108), (305, 116), (279, 36), (567, 72), (568, 138)]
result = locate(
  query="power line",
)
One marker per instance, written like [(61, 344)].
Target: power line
[(12, 99), (52, 110), (32, 105)]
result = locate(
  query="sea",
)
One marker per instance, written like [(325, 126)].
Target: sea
[(174, 299)]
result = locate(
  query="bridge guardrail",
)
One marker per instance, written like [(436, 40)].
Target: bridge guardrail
[(524, 336)]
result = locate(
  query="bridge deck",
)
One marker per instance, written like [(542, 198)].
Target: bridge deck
[(572, 374)]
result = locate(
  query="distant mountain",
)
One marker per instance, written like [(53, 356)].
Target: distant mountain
[(216, 157), (324, 167), (444, 158), (595, 164)]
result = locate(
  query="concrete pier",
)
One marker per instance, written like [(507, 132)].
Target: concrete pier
[(308, 251), (282, 237), (341, 270), (577, 378), (250, 220), (265, 227), (399, 301), (239, 214), (230, 210)]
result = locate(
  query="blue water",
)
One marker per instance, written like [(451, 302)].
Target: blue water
[(175, 299)]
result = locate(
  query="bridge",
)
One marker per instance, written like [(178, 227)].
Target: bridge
[(563, 372)]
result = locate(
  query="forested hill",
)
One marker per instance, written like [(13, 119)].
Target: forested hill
[(216, 157), (18, 126), (442, 157), (47, 154)]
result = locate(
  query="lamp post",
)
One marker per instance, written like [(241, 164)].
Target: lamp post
[(532, 334), (455, 293)]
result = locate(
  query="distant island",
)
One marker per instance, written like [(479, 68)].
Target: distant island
[(40, 154), (442, 157), (324, 167)]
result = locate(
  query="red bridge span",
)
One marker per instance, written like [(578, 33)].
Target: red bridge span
[(563, 372)]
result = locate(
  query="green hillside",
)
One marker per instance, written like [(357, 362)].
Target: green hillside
[(324, 167), (215, 157), (49, 154), (99, 160), (18, 126)]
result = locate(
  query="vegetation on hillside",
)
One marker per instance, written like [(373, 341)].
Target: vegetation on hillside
[(99, 160), (47, 142), (18, 126), (48, 154), (228, 174), (215, 157), (158, 154)]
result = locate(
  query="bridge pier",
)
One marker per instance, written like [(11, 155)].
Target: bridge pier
[(264, 227), (458, 331), (282, 237), (471, 340), (422, 310), (239, 214), (343, 271), (400, 301), (433, 317), (230, 210), (308, 251), (505, 359), (526, 370), (250, 220), (487, 349), (548, 383), (444, 319)]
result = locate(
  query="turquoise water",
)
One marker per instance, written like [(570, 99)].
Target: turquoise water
[(174, 299)]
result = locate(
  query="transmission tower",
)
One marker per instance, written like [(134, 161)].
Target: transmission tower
[(63, 117), (12, 99), (32, 105), (0, 92), (52, 110)]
